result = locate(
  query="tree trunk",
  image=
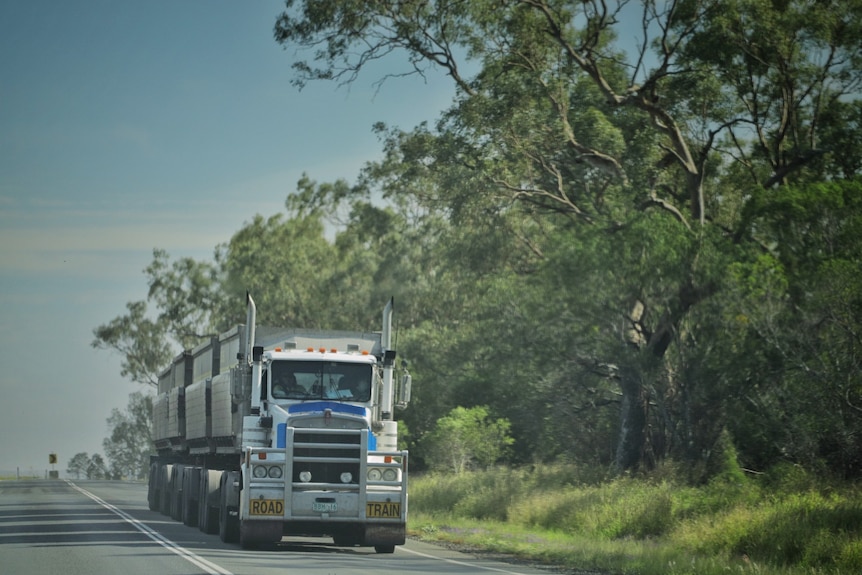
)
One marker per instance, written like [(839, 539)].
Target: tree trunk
[(632, 421)]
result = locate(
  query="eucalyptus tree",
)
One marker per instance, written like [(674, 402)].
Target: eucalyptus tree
[(285, 264), (78, 464), (142, 342), (184, 294), (641, 130), (129, 445)]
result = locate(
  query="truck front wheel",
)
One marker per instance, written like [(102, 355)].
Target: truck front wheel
[(255, 533), (228, 520)]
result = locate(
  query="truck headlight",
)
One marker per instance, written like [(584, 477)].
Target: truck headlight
[(305, 476), (346, 477), (390, 474), (275, 472), (374, 474), (259, 471)]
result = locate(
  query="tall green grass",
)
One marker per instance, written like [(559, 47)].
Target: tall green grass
[(785, 523)]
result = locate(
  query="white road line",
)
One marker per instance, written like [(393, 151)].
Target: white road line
[(461, 563), (198, 561)]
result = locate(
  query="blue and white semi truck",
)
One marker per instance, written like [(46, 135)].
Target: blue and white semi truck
[(265, 432)]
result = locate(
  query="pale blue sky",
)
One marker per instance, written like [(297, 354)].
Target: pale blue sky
[(126, 126)]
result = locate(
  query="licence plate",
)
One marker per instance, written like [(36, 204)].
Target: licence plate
[(325, 507), (383, 509), (266, 507)]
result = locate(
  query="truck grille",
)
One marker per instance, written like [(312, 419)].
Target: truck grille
[(326, 454)]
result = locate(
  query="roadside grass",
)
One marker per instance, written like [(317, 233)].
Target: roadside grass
[(786, 522), (19, 477)]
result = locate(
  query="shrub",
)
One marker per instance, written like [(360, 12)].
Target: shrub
[(466, 439)]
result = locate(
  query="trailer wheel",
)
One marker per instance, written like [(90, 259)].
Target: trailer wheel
[(165, 496), (208, 520), (176, 490), (153, 487), (202, 502), (190, 496), (209, 492)]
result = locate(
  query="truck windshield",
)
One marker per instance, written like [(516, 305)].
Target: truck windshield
[(320, 380)]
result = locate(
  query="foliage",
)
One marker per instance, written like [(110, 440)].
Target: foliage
[(141, 341), (129, 443), (96, 469), (91, 467), (651, 156), (186, 293), (78, 464), (635, 253), (802, 302), (467, 438), (283, 281)]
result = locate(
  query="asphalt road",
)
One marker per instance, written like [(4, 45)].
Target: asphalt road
[(103, 527)]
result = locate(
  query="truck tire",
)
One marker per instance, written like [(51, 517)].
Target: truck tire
[(202, 503), (176, 489), (165, 498), (209, 493), (228, 525), (153, 487), (191, 491), (253, 534), (247, 537), (349, 537), (228, 517)]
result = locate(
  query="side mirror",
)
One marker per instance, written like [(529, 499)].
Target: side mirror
[(404, 390), (389, 358)]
